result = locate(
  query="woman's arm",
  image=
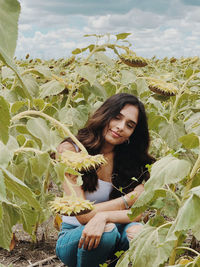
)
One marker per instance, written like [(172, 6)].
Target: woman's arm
[(113, 206), (107, 206)]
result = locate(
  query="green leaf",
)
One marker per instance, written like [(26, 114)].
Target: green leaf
[(17, 106), (110, 87), (149, 247), (192, 125), (187, 217), (10, 218), (122, 36), (5, 155), (145, 199), (28, 218), (190, 140), (127, 77), (39, 164), (51, 88), (168, 170), (165, 171), (6, 73), (4, 120), (74, 117), (9, 15), (154, 121), (171, 132), (31, 85), (2, 188), (124, 260), (76, 51), (101, 57), (20, 189), (88, 73), (38, 128)]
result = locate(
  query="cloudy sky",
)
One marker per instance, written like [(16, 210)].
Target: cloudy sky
[(53, 28)]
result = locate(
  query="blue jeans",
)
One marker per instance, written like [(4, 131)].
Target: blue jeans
[(68, 252)]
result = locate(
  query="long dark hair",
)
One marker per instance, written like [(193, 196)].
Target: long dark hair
[(129, 159)]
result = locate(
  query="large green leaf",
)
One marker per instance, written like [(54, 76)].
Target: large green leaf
[(4, 120), (189, 140), (171, 132), (187, 218), (101, 57), (192, 125), (20, 189), (87, 72), (166, 171), (145, 199), (9, 15), (149, 247), (39, 164), (5, 155), (51, 88), (10, 218), (127, 77), (38, 128)]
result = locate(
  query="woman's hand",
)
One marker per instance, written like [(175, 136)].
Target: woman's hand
[(93, 231)]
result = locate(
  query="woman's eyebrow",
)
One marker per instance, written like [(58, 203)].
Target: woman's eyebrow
[(128, 120)]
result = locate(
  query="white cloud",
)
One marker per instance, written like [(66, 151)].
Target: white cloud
[(158, 27)]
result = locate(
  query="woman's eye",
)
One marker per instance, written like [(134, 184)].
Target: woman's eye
[(130, 126)]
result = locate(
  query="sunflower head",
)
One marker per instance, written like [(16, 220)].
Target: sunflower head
[(133, 60), (81, 161), (162, 88), (71, 205)]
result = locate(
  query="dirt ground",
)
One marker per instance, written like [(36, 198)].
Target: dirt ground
[(25, 253)]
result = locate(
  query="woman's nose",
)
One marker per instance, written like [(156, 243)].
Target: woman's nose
[(120, 125)]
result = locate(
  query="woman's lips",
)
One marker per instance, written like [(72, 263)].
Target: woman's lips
[(114, 134)]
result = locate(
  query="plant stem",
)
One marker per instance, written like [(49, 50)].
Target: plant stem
[(190, 249), (173, 111), (173, 255), (53, 121)]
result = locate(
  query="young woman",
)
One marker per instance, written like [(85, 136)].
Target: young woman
[(119, 131)]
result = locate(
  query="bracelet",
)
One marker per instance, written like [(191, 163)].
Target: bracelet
[(125, 202)]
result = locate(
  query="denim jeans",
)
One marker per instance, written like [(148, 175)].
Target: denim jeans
[(68, 252)]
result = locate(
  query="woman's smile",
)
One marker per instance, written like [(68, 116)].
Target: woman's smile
[(115, 134)]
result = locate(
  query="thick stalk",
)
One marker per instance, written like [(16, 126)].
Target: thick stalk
[(173, 255), (54, 122), (178, 96)]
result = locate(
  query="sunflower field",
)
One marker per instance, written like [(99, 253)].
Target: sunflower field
[(44, 101)]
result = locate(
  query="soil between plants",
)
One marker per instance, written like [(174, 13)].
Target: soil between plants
[(26, 253)]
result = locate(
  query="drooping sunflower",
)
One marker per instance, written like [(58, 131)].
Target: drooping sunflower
[(162, 87), (71, 205), (133, 60), (81, 161)]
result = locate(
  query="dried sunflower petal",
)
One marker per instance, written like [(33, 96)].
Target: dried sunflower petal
[(162, 88), (133, 61), (71, 205), (81, 160)]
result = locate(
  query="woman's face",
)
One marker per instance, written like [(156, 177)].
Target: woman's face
[(122, 126)]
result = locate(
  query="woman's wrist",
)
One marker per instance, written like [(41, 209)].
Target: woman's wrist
[(103, 215)]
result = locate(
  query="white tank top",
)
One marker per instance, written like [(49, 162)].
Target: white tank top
[(100, 195)]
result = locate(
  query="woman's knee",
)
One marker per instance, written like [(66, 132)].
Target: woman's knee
[(110, 235), (133, 230)]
